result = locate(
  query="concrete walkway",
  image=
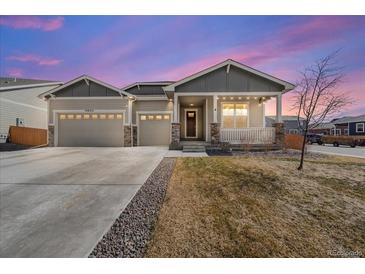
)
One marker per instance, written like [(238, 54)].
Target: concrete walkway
[(358, 152), (58, 202)]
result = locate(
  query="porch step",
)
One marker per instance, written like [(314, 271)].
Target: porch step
[(193, 148)]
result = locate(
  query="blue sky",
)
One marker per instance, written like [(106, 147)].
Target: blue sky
[(124, 49)]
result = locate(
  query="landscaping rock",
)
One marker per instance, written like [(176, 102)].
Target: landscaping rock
[(129, 235)]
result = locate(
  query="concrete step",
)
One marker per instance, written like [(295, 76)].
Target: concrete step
[(193, 148)]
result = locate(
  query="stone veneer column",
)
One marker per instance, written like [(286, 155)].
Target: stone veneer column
[(215, 133), (51, 136), (134, 132), (175, 136), (279, 134), (127, 136)]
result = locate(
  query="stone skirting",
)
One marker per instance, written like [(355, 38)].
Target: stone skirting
[(127, 136), (215, 133), (51, 136), (134, 139), (279, 134), (175, 136)]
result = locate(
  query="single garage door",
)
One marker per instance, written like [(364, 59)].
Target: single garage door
[(90, 130), (154, 129)]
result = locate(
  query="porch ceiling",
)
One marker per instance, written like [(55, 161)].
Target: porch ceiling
[(186, 101)]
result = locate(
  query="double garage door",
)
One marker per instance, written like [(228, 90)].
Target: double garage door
[(90, 130), (154, 129)]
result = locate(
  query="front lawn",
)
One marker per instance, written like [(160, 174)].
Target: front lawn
[(261, 206)]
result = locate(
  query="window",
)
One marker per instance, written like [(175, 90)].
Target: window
[(110, 116), (150, 117), (94, 116), (78, 116), (166, 117), (102, 116), (143, 117), (86, 116), (234, 115), (70, 116), (119, 116), (345, 131), (62, 117), (360, 127), (158, 117)]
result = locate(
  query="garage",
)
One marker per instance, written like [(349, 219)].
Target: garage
[(90, 129), (154, 129)]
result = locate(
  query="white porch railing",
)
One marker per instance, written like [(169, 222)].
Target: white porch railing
[(253, 135)]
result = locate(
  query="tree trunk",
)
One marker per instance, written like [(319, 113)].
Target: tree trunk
[(300, 167)]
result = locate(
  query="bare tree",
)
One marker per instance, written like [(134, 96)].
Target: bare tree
[(317, 97)]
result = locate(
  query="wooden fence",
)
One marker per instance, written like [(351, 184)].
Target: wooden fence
[(293, 141), (28, 136)]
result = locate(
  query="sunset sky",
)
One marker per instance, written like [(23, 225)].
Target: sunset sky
[(125, 49)]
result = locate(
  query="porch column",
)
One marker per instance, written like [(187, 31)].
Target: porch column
[(215, 126), (128, 132), (176, 108), (278, 109), (175, 126)]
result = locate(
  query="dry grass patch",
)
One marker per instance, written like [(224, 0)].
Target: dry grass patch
[(262, 207)]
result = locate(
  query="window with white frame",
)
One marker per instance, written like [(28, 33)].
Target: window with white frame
[(360, 127), (234, 115)]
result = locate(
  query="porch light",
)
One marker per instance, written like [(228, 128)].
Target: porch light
[(191, 105), (263, 98), (255, 98), (239, 98), (224, 98), (231, 98), (170, 100), (248, 98)]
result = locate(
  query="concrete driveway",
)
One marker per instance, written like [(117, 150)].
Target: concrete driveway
[(58, 202), (358, 152)]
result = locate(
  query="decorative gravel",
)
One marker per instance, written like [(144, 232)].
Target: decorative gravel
[(131, 232)]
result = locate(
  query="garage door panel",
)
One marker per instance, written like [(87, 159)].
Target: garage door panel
[(154, 129), (90, 132)]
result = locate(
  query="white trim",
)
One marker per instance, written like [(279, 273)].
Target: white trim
[(85, 77), (287, 85), (22, 104), (151, 98), (363, 127), (206, 119), (196, 122), (238, 93), (88, 98), (176, 117), (130, 105), (57, 111), (152, 112), (31, 86), (215, 109), (263, 115), (236, 102)]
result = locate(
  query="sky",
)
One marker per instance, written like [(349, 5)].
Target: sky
[(121, 50)]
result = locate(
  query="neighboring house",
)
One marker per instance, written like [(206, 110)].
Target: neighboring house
[(291, 124), (223, 103), (352, 126), (19, 104), (323, 128)]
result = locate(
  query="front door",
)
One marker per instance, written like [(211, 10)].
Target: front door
[(191, 124)]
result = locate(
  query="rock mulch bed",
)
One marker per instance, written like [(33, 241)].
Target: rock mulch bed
[(131, 232)]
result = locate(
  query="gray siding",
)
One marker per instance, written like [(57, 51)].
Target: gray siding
[(146, 90), (237, 80), (150, 106), (81, 89)]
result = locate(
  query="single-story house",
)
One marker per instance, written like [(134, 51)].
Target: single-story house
[(19, 104), (324, 129), (352, 126), (223, 103), (291, 124)]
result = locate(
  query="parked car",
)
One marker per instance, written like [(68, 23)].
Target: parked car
[(314, 138), (339, 140)]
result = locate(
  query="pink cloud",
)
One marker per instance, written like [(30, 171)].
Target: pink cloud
[(15, 72), (32, 22), (42, 61)]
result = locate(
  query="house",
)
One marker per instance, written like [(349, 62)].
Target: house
[(323, 128), (291, 125), (19, 104), (353, 125), (223, 103)]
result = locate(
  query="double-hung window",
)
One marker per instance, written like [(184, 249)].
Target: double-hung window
[(360, 127), (234, 115)]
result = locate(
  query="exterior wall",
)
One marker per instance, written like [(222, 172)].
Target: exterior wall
[(352, 128), (146, 90), (88, 104), (81, 89), (255, 112), (150, 106), (237, 80), (200, 121), (25, 104)]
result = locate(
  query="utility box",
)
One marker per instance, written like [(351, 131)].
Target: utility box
[(19, 122)]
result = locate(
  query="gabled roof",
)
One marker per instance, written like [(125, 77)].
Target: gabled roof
[(141, 91), (350, 119), (85, 78), (154, 83), (229, 62), (12, 83)]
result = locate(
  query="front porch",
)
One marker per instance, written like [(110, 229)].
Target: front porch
[(224, 119)]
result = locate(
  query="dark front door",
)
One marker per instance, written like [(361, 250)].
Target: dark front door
[(191, 124)]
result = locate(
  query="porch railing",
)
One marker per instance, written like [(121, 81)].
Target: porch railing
[(253, 135)]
